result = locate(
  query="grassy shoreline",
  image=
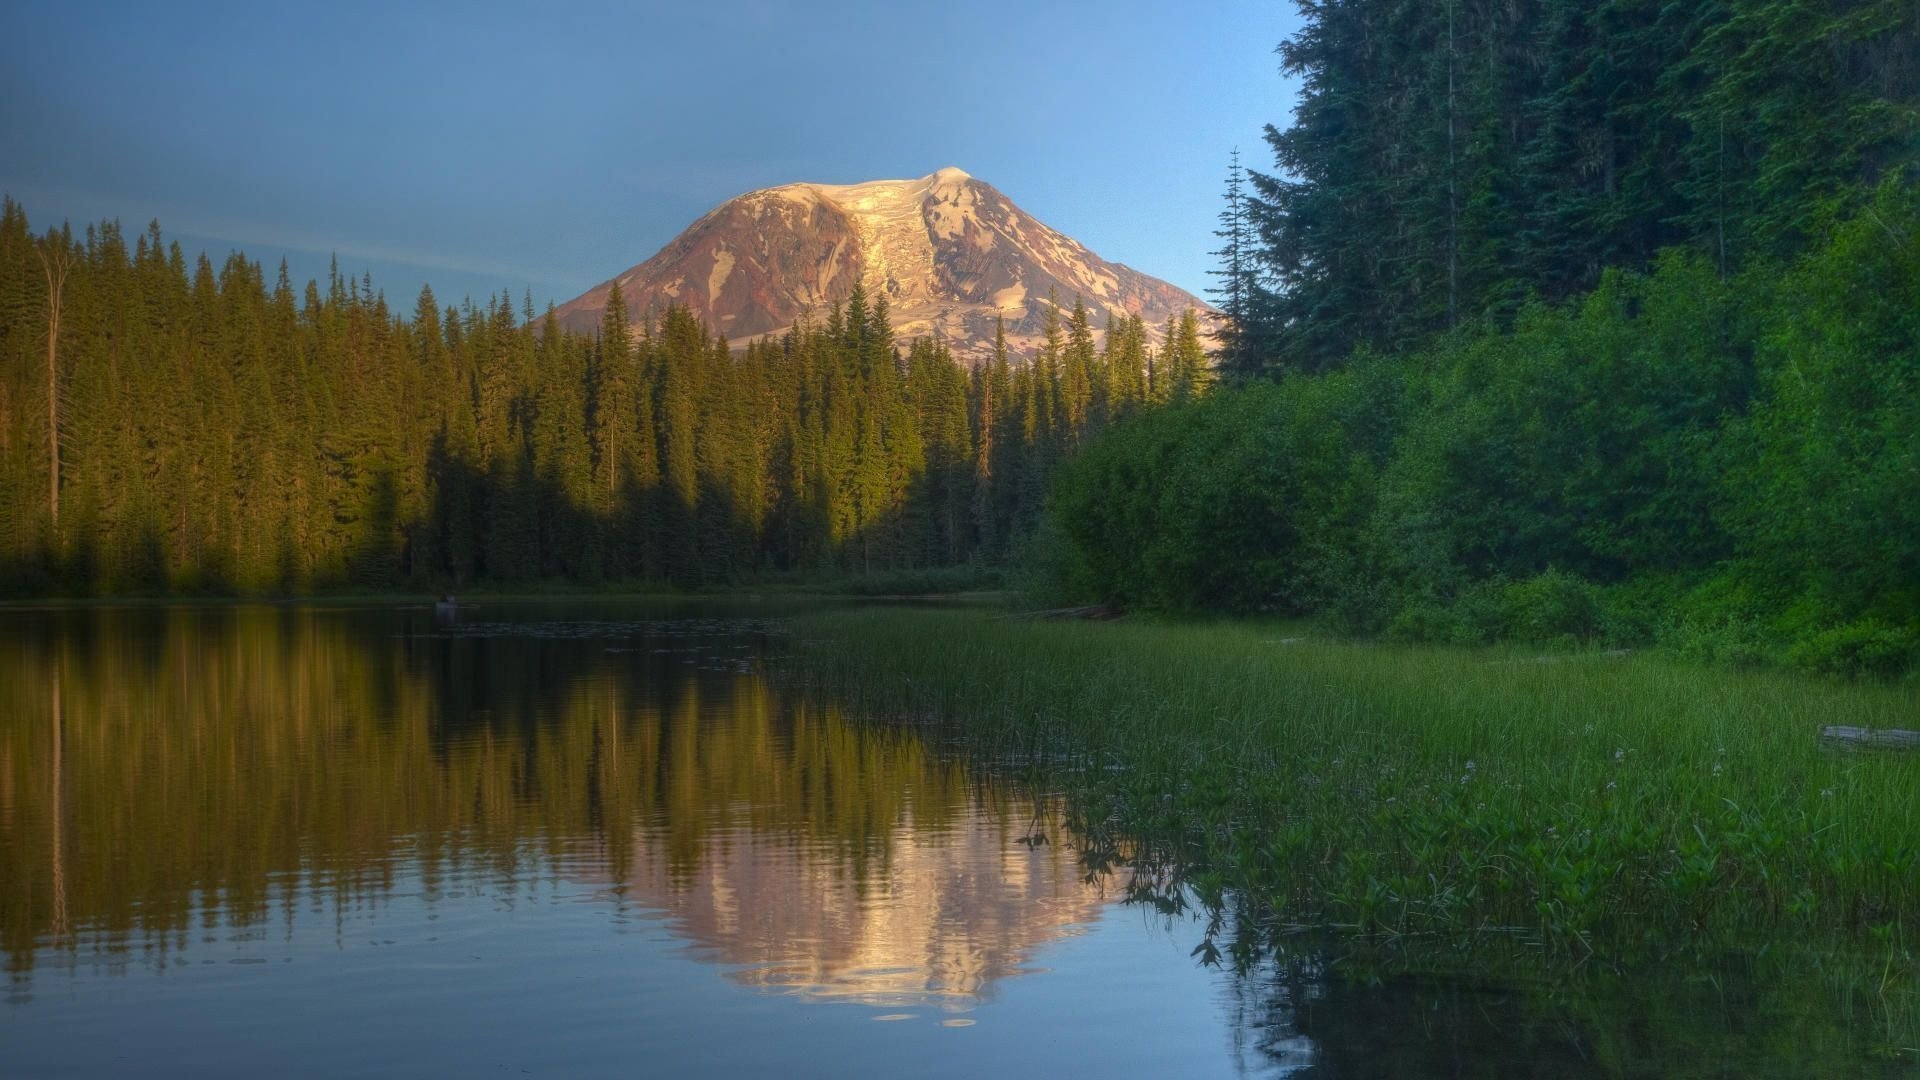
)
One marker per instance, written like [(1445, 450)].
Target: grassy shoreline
[(1595, 804)]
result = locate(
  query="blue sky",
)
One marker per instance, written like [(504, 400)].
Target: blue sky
[(547, 147)]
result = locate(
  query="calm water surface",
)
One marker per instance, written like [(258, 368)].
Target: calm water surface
[(597, 838)]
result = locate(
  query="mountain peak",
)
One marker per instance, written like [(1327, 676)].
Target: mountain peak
[(950, 252)]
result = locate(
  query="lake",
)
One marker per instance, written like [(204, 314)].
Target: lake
[(582, 837)]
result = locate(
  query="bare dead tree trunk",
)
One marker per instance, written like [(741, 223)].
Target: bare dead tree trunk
[(56, 263)]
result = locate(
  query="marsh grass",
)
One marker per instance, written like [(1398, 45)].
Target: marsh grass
[(1596, 805)]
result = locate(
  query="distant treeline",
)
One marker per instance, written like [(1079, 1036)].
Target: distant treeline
[(220, 434), (1558, 320)]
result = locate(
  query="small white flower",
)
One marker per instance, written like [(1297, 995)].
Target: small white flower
[(1619, 754), (1716, 768), (1826, 793)]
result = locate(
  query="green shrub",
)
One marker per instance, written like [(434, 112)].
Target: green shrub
[(1551, 606), (1825, 498), (1253, 500), (1427, 622), (1866, 647)]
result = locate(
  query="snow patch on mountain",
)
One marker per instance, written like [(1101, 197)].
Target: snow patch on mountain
[(717, 278)]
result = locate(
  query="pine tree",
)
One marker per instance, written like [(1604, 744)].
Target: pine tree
[(1049, 402), (563, 460), (682, 351), (611, 401), (1238, 289), (1076, 377), (1126, 364), (1187, 369)]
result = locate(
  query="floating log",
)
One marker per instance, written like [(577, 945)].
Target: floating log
[(1089, 611), (1882, 738)]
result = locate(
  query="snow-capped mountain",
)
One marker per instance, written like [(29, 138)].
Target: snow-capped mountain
[(949, 252)]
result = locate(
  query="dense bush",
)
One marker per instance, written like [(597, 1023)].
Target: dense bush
[(1828, 496), (1255, 500), (1731, 467)]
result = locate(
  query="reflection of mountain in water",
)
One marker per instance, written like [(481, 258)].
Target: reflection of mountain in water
[(944, 913), (163, 768)]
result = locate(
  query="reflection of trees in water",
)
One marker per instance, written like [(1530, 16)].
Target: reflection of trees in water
[(219, 762), (57, 804), (1313, 1006)]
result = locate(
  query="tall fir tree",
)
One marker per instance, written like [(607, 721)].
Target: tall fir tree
[(1237, 277)]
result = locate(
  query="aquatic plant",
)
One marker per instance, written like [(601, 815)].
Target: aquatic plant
[(1598, 803)]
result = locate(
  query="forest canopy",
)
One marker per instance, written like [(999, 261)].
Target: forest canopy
[(1558, 322)]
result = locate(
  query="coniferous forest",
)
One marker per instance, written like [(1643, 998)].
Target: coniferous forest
[(1450, 162), (215, 433), (1548, 320), (1557, 322)]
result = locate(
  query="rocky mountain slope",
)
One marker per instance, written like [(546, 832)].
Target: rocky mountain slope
[(950, 253)]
